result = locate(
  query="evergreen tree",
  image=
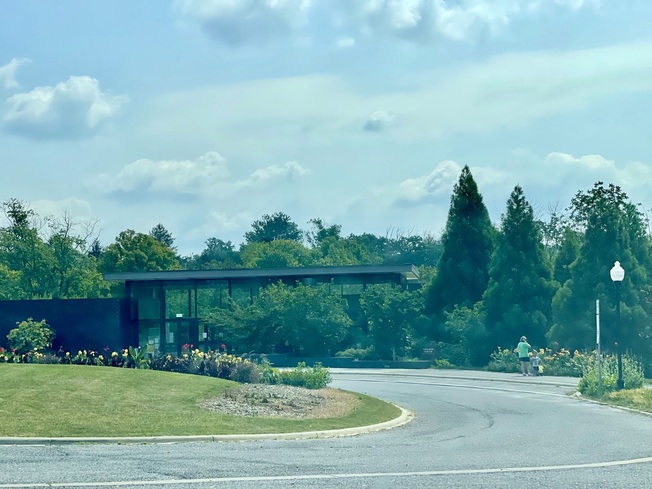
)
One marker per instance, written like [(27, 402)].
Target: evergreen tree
[(612, 230), (163, 236), (569, 250), (518, 298), (468, 241)]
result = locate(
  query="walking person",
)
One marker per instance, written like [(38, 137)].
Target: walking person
[(523, 349)]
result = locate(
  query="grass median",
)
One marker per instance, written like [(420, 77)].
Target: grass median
[(82, 401)]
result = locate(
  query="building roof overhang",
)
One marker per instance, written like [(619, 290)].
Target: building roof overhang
[(409, 272)]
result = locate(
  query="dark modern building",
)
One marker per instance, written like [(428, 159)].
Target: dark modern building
[(162, 311), (169, 309)]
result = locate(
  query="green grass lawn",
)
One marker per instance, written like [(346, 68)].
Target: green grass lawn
[(69, 400), (640, 399)]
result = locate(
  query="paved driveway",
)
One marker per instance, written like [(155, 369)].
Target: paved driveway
[(470, 429)]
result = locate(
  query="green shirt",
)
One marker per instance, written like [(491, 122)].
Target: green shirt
[(523, 349)]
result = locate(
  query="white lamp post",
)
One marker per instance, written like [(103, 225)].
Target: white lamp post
[(617, 275)]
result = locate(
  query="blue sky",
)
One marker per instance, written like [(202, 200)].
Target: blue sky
[(203, 115)]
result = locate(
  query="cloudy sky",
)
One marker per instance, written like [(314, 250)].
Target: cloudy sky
[(203, 115)]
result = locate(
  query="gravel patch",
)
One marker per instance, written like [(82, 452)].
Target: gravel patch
[(282, 401)]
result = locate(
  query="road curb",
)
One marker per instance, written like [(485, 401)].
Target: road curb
[(404, 418)]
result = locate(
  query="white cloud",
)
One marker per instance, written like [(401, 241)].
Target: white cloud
[(78, 208), (72, 109), (505, 91), (378, 121), (228, 226), (241, 22), (425, 20), (583, 171), (345, 42), (8, 72), (207, 177), (166, 177), (289, 171), (436, 187), (439, 182)]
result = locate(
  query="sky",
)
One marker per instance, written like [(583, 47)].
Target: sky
[(204, 115)]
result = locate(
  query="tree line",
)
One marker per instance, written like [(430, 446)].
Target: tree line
[(484, 284)]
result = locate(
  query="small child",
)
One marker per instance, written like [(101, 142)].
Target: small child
[(536, 364)]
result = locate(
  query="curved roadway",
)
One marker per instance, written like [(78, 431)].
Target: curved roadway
[(471, 429)]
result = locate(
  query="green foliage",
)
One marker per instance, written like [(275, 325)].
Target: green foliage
[(518, 297), (163, 236), (320, 233), (632, 375), (357, 353), (246, 373), (554, 363), (353, 250), (212, 364), (419, 251), (269, 374), (465, 326), (504, 360), (468, 242), (218, 254), (137, 358), (316, 377), (274, 227), (311, 319), (611, 229), (442, 363), (30, 335), (452, 353), (391, 313), (137, 252), (564, 363), (569, 250), (24, 251), (279, 253), (74, 272), (10, 283)]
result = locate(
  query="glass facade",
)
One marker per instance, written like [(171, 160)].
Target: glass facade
[(170, 315)]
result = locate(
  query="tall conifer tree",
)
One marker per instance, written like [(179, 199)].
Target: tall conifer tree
[(518, 298), (468, 241)]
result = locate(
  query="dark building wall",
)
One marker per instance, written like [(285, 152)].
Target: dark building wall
[(79, 324)]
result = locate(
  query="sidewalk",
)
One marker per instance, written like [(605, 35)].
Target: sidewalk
[(479, 375)]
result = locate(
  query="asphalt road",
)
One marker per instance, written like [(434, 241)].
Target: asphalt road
[(470, 430)]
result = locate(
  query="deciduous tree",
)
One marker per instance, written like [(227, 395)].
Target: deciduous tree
[(273, 227), (612, 230)]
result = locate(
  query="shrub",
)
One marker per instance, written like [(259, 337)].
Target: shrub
[(560, 363), (269, 374), (357, 353), (454, 353), (30, 335), (503, 360), (632, 375), (443, 363), (246, 372), (316, 377)]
